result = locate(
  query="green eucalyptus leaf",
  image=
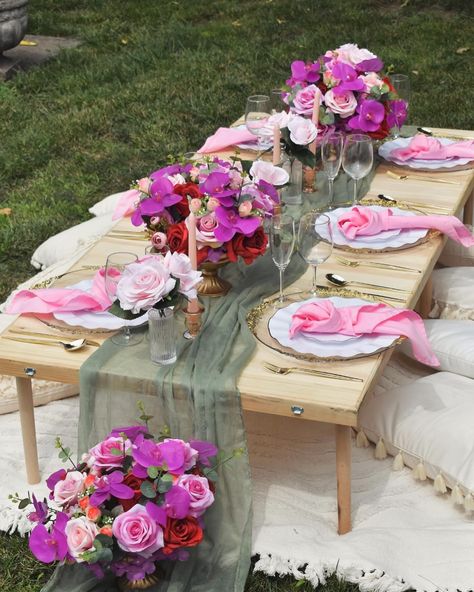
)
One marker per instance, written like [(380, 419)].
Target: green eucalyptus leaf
[(164, 486), (152, 472), (24, 503), (148, 490), (104, 540), (117, 311)]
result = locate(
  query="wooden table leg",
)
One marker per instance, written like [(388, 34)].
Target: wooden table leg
[(468, 210), (423, 306), (28, 430), (343, 470)]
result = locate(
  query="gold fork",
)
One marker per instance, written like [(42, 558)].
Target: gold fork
[(49, 336), (350, 263), (421, 177), (311, 371)]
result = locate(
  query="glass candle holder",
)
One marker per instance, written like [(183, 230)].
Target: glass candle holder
[(162, 334)]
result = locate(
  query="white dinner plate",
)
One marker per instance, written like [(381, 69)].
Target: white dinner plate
[(386, 149)]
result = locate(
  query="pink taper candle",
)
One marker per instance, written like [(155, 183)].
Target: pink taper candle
[(276, 145), (315, 116), (193, 305)]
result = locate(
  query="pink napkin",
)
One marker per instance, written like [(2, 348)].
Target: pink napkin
[(427, 148), (364, 221), (49, 300), (126, 204), (373, 319), (225, 137)]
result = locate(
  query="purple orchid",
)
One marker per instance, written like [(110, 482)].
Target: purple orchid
[(230, 223), (41, 512), (177, 502), (131, 432), (205, 450), (216, 185), (109, 485), (55, 477), (161, 197), (173, 454), (370, 115), (158, 513), (146, 453), (305, 72), (134, 566), (172, 169), (269, 190), (372, 65), (397, 114), (50, 546), (349, 78)]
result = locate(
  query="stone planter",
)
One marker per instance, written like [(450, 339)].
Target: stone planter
[(13, 22)]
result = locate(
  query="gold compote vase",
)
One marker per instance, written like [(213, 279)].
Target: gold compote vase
[(212, 284), (125, 585)]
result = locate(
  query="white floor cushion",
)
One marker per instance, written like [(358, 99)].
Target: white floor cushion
[(106, 205), (455, 255), (66, 243), (453, 344), (453, 293), (429, 424)]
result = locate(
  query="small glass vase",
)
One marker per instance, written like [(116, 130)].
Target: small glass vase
[(291, 194), (162, 334)]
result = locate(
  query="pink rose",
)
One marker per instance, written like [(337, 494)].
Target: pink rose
[(137, 532), (371, 79), (155, 220), (190, 455), (302, 131), (194, 173), (66, 491), (205, 227), (195, 205), (245, 208), (343, 105), (281, 119), (143, 284), (351, 54), (200, 494), (144, 184), (304, 100), (212, 204), (266, 171), (159, 240), (180, 267), (80, 535), (102, 457)]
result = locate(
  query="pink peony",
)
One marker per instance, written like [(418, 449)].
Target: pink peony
[(200, 495), (302, 131), (179, 265), (80, 535), (343, 105), (137, 532), (102, 457), (304, 100), (65, 492)]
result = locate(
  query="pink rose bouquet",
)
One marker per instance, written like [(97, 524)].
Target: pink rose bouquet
[(130, 503), (355, 95)]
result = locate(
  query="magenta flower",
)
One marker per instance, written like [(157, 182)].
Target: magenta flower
[(131, 432), (158, 513), (172, 169), (177, 502), (216, 185), (305, 72), (146, 453), (161, 197), (349, 78), (230, 223), (55, 477), (109, 485), (49, 546), (41, 510), (372, 65), (205, 450), (370, 115), (397, 114)]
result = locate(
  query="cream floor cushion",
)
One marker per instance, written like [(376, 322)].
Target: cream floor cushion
[(105, 206), (453, 293)]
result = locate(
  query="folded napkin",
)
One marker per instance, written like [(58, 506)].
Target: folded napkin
[(365, 221), (374, 319), (49, 300), (427, 148), (225, 137), (126, 204)]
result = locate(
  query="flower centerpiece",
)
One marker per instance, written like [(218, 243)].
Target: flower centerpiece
[(230, 201), (131, 503), (354, 93)]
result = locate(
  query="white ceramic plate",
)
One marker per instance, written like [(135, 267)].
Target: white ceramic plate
[(96, 320), (418, 163), (279, 328), (383, 240), (254, 145)]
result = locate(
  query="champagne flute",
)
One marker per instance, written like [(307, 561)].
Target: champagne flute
[(257, 112), (276, 102), (116, 263), (315, 242), (357, 158), (401, 85), (331, 155), (282, 243)]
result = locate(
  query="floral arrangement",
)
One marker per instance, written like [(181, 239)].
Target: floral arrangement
[(355, 95), (154, 281), (229, 200), (297, 135), (130, 503)]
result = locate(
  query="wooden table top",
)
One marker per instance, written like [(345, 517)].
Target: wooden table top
[(323, 399)]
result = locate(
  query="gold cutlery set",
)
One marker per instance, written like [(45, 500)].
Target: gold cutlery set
[(26, 336)]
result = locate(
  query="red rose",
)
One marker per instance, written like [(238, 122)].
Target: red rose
[(247, 247), (134, 483), (177, 235), (190, 190), (382, 132), (181, 533), (202, 255), (182, 208)]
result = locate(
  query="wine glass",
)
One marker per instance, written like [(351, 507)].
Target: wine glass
[(401, 85), (116, 263), (357, 158), (331, 155), (315, 242), (257, 112), (282, 243), (276, 102)]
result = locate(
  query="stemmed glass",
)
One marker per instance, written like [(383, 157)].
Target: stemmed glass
[(331, 155), (257, 112), (315, 242), (401, 85), (276, 102), (358, 158), (116, 263), (282, 243)]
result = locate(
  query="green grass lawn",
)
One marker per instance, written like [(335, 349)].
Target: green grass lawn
[(156, 77)]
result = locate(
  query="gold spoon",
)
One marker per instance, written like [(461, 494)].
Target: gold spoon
[(339, 281), (69, 346)]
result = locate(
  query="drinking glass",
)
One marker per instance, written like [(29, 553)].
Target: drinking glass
[(315, 242), (282, 243), (117, 262), (276, 102), (401, 85), (357, 158), (257, 112), (331, 155)]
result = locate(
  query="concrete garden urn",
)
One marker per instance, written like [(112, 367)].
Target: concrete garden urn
[(13, 21)]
